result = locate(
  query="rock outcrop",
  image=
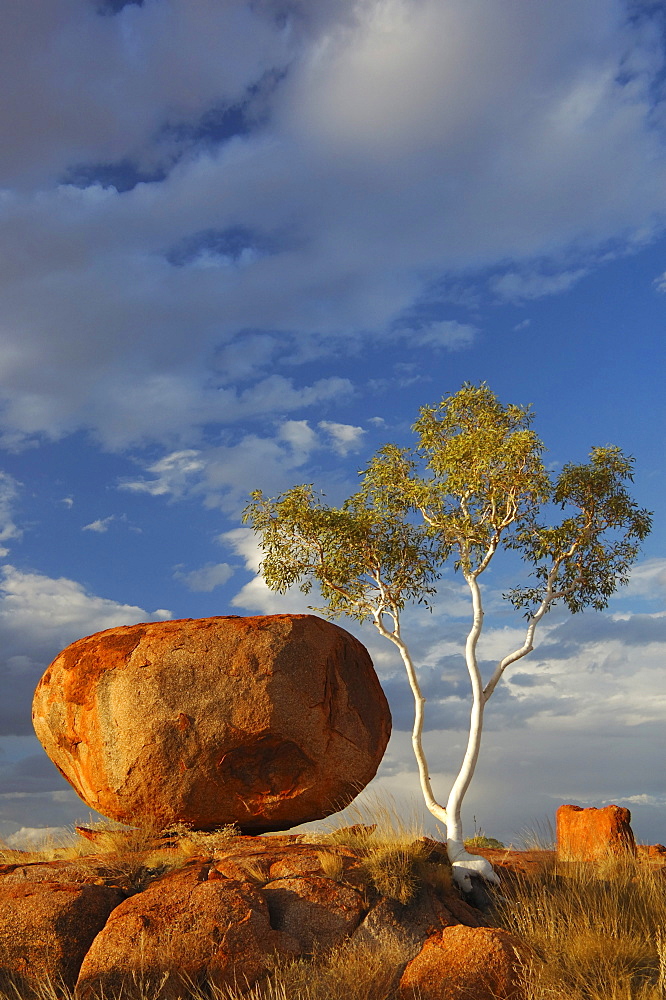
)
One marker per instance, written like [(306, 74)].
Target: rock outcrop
[(183, 932), (223, 920), (46, 928), (266, 722), (593, 834)]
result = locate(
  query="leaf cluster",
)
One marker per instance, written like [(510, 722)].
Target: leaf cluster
[(583, 559), (366, 559), (475, 481)]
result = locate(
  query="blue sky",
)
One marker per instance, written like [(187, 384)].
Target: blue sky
[(241, 244)]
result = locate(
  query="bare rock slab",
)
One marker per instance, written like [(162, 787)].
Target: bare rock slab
[(315, 911), (593, 834), (46, 929), (266, 722), (182, 932), (467, 963)]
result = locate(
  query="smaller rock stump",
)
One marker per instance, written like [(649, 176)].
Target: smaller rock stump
[(594, 834)]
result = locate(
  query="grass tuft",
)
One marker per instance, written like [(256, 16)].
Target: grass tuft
[(481, 840), (192, 842), (597, 927), (396, 859)]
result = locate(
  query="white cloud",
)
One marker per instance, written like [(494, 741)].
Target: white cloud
[(101, 525), (648, 579), (39, 616), (376, 92), (35, 838), (300, 436), (206, 578), (660, 282), (244, 543), (255, 596), (516, 286), (172, 474), (9, 490), (36, 604), (443, 334), (224, 475), (642, 799), (344, 437)]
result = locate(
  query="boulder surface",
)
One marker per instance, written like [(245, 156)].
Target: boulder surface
[(184, 932), (46, 930), (593, 834), (265, 722), (467, 963)]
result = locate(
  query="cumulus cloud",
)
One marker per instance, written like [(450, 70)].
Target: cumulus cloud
[(255, 596), (206, 578), (171, 474), (648, 579), (279, 147), (36, 838), (224, 475), (344, 437)]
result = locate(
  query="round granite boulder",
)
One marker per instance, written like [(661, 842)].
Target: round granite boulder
[(265, 722)]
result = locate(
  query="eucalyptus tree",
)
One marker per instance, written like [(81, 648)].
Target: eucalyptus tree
[(474, 484)]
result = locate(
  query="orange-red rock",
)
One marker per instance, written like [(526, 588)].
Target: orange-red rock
[(467, 963), (317, 912), (181, 932), (46, 929), (266, 722), (593, 834)]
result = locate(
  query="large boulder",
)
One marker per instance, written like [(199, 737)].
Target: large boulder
[(593, 834), (265, 722), (315, 911)]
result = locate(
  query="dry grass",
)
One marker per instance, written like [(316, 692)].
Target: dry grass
[(598, 928), (332, 865), (131, 856), (351, 971), (396, 859), (196, 842)]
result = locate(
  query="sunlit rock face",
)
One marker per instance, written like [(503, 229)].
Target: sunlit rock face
[(593, 834), (265, 722)]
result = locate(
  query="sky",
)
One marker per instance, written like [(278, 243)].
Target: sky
[(241, 243)]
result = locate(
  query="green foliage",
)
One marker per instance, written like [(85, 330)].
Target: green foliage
[(486, 473), (588, 554), (474, 481), (363, 555), (480, 840)]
